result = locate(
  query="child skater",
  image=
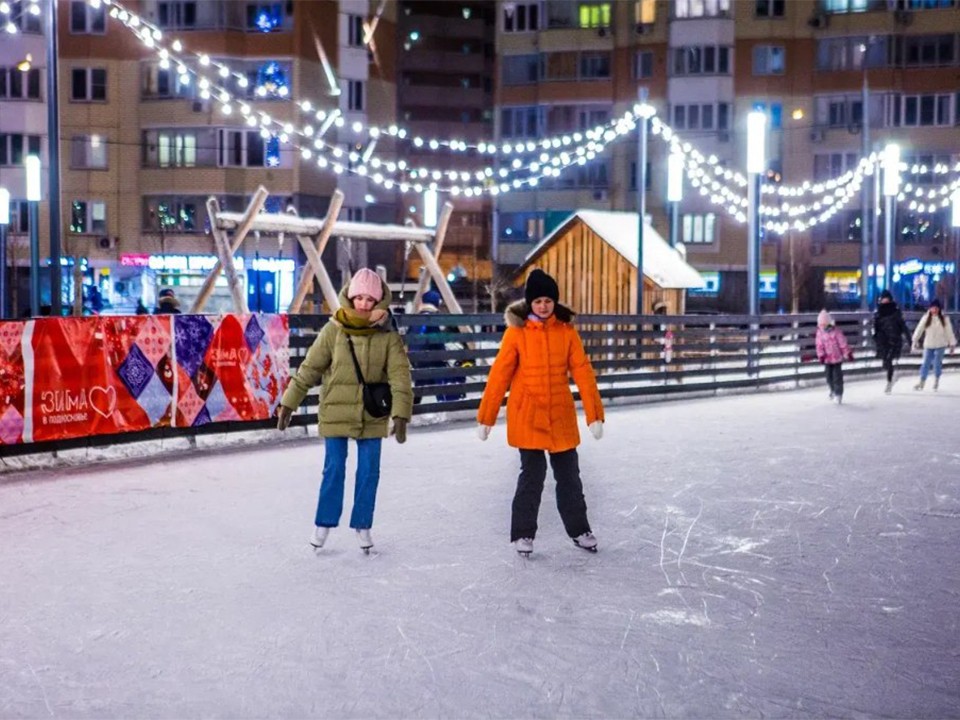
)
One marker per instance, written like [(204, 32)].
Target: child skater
[(359, 340), (832, 350), (539, 352), (935, 333)]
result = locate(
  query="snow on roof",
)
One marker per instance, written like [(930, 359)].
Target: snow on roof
[(661, 263)]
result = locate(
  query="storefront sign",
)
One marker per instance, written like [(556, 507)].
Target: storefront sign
[(205, 263)]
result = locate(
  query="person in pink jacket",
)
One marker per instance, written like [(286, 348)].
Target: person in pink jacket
[(832, 350)]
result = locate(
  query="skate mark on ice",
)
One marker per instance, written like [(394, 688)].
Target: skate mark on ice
[(836, 561), (412, 646), (687, 536), (43, 690), (627, 631)]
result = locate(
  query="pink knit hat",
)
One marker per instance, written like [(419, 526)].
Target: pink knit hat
[(365, 282), (824, 319)]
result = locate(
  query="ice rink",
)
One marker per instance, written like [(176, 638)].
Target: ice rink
[(760, 555)]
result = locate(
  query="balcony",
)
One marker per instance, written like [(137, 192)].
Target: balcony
[(449, 27), (452, 62), (434, 96)]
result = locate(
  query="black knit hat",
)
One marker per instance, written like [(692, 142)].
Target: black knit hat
[(539, 285), (886, 294), (936, 303)]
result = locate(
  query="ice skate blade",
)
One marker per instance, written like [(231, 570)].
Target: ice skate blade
[(366, 550), (588, 549), (524, 553)]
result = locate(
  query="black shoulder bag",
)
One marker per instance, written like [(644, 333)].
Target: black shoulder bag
[(377, 398)]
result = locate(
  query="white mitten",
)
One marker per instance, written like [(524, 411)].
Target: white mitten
[(596, 427), (483, 431)]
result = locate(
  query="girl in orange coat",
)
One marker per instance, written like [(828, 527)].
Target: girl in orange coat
[(539, 352)]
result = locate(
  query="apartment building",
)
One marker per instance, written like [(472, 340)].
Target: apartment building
[(705, 64), (445, 91), (142, 148)]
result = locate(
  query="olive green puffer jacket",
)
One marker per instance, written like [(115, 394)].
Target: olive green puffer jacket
[(382, 358)]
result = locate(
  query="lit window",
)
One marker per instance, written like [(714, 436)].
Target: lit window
[(594, 15), (769, 60)]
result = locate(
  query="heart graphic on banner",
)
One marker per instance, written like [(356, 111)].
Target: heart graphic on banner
[(244, 356), (103, 400)]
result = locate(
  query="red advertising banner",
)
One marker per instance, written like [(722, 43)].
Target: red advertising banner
[(74, 377), (98, 375)]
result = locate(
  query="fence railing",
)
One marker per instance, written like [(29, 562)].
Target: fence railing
[(634, 357)]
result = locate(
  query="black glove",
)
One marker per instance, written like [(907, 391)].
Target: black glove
[(284, 416), (400, 429)]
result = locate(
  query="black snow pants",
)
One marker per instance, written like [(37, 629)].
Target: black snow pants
[(570, 501), (889, 357), (834, 378)]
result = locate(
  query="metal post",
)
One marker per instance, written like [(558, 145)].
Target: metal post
[(34, 207), (888, 243), (3, 271), (865, 198), (875, 236), (641, 191), (674, 223), (753, 244), (53, 156), (956, 271)]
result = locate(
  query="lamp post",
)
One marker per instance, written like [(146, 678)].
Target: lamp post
[(53, 155), (865, 229), (955, 222), (756, 162), (33, 202), (641, 189), (674, 192), (891, 187), (4, 221)]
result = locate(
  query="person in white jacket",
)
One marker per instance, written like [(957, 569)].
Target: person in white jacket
[(934, 334)]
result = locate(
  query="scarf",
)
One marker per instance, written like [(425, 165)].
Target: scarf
[(354, 324)]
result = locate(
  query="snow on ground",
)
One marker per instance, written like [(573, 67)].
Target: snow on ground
[(761, 555)]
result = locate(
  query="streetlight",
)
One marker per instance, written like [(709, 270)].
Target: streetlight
[(430, 203), (891, 187), (865, 217), (33, 202), (756, 164), (674, 192), (4, 221), (955, 222)]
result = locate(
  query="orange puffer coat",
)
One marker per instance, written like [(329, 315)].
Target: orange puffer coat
[(535, 361)]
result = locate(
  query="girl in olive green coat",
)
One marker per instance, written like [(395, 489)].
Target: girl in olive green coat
[(364, 322)]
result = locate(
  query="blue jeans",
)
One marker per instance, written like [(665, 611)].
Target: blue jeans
[(932, 356), (330, 504)]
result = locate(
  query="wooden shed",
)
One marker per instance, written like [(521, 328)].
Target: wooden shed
[(593, 256)]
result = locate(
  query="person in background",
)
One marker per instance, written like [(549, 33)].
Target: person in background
[(429, 305), (832, 350), (362, 328), (539, 352), (934, 334), (141, 308), (167, 303), (889, 331)]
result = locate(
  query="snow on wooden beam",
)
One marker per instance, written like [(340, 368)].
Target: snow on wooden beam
[(276, 223)]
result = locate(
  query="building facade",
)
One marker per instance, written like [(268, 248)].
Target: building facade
[(143, 147), (565, 66)]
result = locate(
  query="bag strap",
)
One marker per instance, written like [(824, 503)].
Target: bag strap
[(356, 365)]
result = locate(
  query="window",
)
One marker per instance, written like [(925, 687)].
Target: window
[(768, 59), (14, 147), (88, 84), (86, 19), (160, 83), (699, 229), (355, 31), (643, 64), (701, 60), (594, 15), (355, 92), (832, 165), (925, 50), (521, 226), (520, 69), (521, 17), (266, 16), (88, 152), (645, 12), (354, 214), (920, 167), (22, 18), (19, 217), (923, 110), (595, 66), (699, 116), (845, 6), (774, 114), (701, 8), (177, 15), (769, 8), (851, 53), (633, 176), (18, 85), (520, 122), (88, 216), (839, 110), (164, 213), (248, 148), (180, 147)]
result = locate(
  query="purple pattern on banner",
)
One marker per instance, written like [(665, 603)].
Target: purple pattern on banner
[(11, 426), (202, 418), (253, 334), (135, 371), (193, 334), (155, 400), (216, 401)]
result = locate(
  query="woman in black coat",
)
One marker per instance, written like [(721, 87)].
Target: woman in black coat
[(889, 332)]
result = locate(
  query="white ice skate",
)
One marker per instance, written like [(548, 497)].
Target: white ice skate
[(889, 388), (524, 546), (587, 541), (919, 385), (319, 537), (936, 383), (366, 542)]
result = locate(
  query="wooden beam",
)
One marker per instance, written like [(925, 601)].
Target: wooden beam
[(306, 276), (442, 285), (248, 220), (442, 223), (225, 252), (293, 225)]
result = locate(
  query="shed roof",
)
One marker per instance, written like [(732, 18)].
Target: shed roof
[(661, 263)]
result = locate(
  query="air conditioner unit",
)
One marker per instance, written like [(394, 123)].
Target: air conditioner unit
[(816, 135), (106, 243), (819, 20)]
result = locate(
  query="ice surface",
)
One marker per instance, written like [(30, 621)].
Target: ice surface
[(764, 555)]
